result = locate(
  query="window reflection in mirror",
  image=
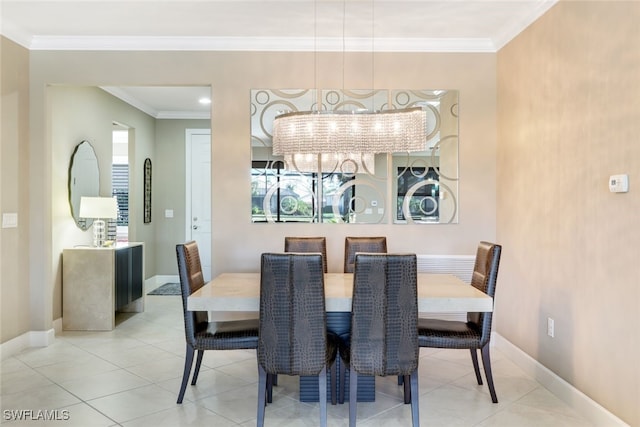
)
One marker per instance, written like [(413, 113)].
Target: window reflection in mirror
[(426, 183), (279, 195), (423, 205), (282, 195)]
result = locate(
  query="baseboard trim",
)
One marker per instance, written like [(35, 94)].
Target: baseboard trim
[(46, 338), (578, 401), (26, 340), (57, 325)]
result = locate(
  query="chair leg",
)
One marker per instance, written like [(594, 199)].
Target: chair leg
[(343, 381), (476, 367), (334, 384), (270, 379), (188, 361), (353, 397), (486, 362), (197, 369), (415, 398), (322, 385), (262, 398), (406, 380)]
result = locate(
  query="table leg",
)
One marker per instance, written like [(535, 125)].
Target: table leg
[(338, 323)]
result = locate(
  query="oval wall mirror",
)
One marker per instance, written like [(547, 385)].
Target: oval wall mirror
[(84, 180)]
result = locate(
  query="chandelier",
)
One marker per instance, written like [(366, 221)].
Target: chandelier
[(350, 136), (346, 141)]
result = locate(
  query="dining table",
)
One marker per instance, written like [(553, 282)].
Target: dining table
[(437, 293), (230, 294)]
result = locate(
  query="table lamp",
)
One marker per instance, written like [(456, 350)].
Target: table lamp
[(99, 209)]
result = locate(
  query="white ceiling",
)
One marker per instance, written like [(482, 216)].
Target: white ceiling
[(268, 25), (166, 102)]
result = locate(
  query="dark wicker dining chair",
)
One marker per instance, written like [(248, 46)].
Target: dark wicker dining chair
[(384, 334), (361, 244), (475, 333), (352, 245), (293, 338), (306, 245), (200, 334)]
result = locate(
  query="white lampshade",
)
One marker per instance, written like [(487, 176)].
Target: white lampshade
[(98, 207)]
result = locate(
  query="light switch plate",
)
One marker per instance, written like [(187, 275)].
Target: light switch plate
[(10, 220)]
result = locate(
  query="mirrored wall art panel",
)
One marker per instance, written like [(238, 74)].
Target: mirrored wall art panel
[(278, 193), (84, 180), (338, 185), (354, 184), (425, 184)]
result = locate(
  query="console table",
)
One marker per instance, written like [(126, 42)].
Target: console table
[(97, 282)]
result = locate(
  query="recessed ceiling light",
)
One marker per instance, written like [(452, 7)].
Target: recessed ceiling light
[(204, 101)]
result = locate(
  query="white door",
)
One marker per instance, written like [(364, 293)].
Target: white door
[(198, 210)]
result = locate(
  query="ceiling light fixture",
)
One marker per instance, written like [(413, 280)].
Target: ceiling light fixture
[(328, 136), (318, 132)]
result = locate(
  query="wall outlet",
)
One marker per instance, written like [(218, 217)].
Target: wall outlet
[(10, 220), (551, 327)]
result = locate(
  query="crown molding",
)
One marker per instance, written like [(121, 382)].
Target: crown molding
[(502, 35), (184, 115), (15, 34), (147, 109), (134, 102), (274, 44)]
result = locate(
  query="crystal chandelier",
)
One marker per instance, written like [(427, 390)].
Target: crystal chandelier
[(349, 135), (346, 141)]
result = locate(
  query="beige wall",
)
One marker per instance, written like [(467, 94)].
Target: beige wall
[(237, 243), (14, 187), (80, 113), (568, 117)]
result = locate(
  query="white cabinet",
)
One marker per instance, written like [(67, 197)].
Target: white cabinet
[(97, 282)]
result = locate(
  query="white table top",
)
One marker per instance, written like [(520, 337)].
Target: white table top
[(437, 293)]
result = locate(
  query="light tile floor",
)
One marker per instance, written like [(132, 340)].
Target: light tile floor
[(131, 376)]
